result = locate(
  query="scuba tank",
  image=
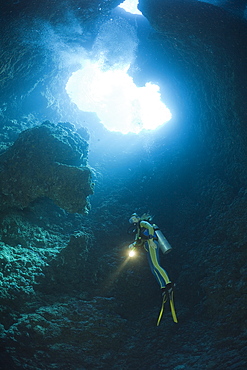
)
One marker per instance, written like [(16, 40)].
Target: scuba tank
[(163, 243)]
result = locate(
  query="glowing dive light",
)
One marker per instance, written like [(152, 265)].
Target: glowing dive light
[(132, 253)]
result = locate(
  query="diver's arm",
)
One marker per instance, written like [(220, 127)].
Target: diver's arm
[(148, 226), (132, 245), (137, 243)]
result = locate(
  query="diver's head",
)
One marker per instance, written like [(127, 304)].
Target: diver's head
[(134, 219)]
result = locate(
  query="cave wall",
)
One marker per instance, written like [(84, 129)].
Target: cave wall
[(209, 57)]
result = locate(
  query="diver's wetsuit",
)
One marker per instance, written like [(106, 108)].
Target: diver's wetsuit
[(147, 237), (146, 234)]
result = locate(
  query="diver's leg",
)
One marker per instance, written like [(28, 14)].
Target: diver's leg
[(157, 270), (163, 280)]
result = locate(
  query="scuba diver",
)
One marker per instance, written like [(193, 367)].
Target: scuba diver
[(151, 238)]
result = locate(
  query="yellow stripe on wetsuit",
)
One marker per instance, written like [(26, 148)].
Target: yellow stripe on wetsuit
[(153, 256), (152, 252)]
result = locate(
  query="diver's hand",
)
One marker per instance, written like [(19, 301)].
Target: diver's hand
[(132, 250), (132, 245)]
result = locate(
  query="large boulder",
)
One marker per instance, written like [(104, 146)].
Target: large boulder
[(46, 161)]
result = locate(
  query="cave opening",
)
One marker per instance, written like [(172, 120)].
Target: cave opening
[(105, 82), (130, 6)]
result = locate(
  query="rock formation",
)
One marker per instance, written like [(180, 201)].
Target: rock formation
[(46, 161)]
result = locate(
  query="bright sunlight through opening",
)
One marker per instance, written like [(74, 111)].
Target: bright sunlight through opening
[(130, 6), (120, 105)]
